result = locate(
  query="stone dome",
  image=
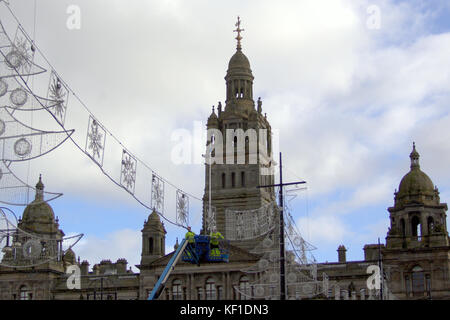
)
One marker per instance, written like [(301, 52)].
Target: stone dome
[(415, 181), (213, 120), (154, 222), (416, 186), (69, 257), (38, 211), (38, 216), (239, 61)]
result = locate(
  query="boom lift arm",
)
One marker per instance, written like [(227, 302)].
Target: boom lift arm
[(159, 286)]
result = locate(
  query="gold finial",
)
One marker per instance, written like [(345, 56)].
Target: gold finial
[(238, 30)]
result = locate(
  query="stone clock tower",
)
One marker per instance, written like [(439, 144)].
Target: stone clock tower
[(240, 146)]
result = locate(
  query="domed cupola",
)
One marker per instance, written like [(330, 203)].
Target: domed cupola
[(38, 216), (239, 78), (153, 239), (416, 186)]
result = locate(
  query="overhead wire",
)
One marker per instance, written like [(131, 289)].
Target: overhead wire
[(37, 49)]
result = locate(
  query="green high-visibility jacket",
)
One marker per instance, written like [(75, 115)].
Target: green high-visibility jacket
[(215, 236), (190, 236)]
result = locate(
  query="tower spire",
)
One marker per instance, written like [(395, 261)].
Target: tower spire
[(40, 189), (238, 30), (414, 156)]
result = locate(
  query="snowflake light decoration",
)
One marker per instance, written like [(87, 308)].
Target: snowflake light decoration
[(182, 208), (95, 141), (240, 228), (128, 172), (157, 194), (57, 97), (210, 218)]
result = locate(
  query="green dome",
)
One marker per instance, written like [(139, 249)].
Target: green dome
[(415, 181)]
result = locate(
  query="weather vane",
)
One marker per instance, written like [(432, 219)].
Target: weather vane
[(238, 30)]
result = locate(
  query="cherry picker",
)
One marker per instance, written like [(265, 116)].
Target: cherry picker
[(199, 253)]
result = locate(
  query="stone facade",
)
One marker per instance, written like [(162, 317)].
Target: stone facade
[(415, 257), (240, 139)]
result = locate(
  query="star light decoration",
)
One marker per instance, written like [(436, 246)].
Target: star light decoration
[(157, 194), (182, 208), (95, 141), (57, 97), (128, 172)]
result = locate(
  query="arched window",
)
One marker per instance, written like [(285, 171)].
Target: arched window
[(244, 288), (418, 281), (150, 245), (243, 179), (211, 293), (233, 179), (177, 290), (415, 227), (25, 293)]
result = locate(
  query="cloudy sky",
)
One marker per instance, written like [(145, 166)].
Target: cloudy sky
[(348, 84)]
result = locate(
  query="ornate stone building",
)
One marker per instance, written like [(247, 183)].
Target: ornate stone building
[(34, 265), (241, 154), (415, 257)]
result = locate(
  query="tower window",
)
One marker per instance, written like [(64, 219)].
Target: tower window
[(243, 179), (223, 181), (416, 227), (150, 245), (233, 179)]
